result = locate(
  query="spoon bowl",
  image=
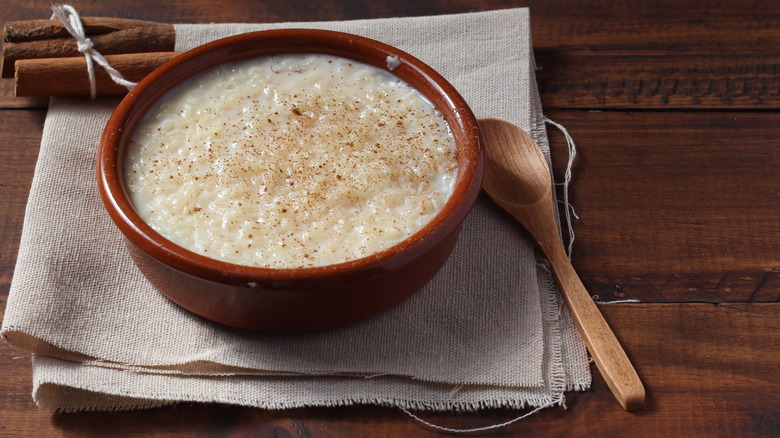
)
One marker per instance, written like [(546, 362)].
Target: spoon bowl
[(518, 179), (509, 166)]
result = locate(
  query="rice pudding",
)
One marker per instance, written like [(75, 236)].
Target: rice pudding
[(290, 161)]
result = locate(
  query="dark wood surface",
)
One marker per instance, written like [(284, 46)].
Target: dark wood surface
[(675, 107)]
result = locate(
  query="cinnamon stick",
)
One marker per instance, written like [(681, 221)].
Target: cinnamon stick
[(68, 76), (33, 30), (152, 37)]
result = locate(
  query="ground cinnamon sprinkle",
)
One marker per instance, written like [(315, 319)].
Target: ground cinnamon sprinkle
[(342, 158)]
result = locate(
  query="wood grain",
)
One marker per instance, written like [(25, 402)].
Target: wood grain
[(658, 54), (602, 80), (671, 54), (20, 137), (675, 206)]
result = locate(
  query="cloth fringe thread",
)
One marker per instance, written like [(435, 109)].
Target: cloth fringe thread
[(569, 208)]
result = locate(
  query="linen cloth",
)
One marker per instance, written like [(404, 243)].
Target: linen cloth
[(489, 330)]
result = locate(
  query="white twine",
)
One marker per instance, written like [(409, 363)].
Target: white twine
[(569, 210), (72, 22)]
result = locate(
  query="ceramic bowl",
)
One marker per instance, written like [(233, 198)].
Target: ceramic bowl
[(301, 299)]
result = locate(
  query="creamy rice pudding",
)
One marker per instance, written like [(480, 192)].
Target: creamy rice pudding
[(290, 161)]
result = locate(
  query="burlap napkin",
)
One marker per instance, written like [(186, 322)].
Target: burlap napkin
[(488, 331)]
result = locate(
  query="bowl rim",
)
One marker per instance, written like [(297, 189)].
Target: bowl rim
[(149, 90)]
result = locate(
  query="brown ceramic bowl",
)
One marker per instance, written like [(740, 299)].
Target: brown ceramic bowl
[(301, 299)]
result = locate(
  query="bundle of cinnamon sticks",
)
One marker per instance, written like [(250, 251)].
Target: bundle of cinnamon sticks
[(44, 60)]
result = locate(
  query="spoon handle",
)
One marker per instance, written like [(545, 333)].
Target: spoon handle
[(607, 353)]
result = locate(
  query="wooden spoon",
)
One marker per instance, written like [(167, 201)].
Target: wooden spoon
[(518, 180)]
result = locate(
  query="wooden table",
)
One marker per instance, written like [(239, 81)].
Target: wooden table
[(674, 106)]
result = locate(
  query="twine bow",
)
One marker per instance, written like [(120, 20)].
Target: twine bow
[(72, 22)]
